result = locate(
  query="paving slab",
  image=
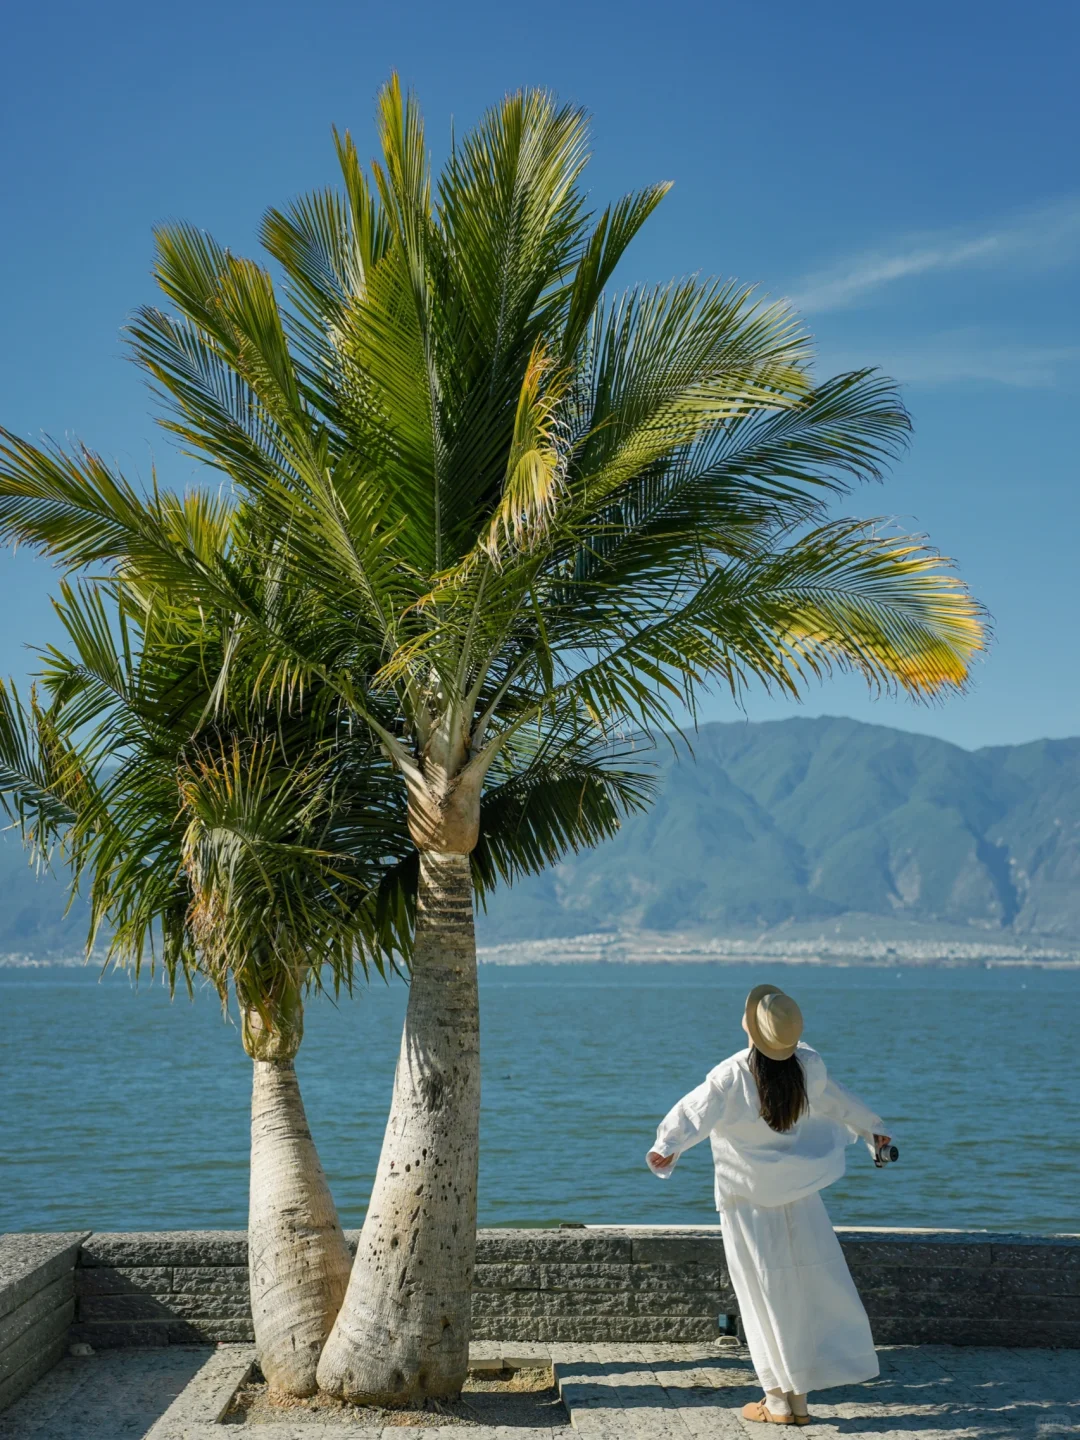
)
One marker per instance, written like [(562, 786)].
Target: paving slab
[(935, 1393), (612, 1392), (204, 1400)]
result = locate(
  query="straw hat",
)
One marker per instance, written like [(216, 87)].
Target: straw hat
[(773, 1021)]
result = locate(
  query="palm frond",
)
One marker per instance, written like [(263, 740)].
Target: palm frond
[(605, 247), (566, 799), (535, 467), (840, 597), (30, 792)]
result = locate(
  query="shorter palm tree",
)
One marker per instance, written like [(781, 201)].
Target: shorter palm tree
[(247, 849)]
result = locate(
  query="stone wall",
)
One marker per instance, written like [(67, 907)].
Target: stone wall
[(946, 1287), (601, 1283), (612, 1283), (37, 1306), (167, 1287)]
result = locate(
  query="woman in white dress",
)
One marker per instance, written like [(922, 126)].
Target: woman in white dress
[(779, 1126)]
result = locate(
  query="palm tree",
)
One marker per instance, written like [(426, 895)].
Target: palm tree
[(250, 837), (245, 848), (521, 524)]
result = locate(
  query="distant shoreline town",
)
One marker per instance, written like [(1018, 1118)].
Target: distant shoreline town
[(641, 948), (628, 948)]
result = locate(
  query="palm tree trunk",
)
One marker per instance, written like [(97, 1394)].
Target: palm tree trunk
[(403, 1331), (298, 1261)]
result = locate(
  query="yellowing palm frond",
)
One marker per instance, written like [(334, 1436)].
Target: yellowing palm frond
[(536, 464), (889, 609)]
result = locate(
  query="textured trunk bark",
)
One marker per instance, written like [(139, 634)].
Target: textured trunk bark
[(298, 1261), (403, 1331)]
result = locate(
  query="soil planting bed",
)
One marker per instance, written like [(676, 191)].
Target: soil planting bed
[(523, 1399)]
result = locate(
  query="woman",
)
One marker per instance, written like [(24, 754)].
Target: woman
[(779, 1126)]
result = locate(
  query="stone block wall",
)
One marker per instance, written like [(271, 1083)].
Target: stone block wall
[(168, 1287), (607, 1283), (37, 1306), (612, 1283), (955, 1288)]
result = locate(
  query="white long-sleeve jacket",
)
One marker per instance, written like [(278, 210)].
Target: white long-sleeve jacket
[(751, 1160)]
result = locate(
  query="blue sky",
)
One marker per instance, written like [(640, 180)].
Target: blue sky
[(907, 175)]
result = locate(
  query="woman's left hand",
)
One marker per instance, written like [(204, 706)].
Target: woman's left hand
[(659, 1162)]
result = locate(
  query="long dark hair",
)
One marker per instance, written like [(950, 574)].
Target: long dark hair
[(781, 1088)]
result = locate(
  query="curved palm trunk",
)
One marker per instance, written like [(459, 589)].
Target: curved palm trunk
[(298, 1261), (403, 1331)]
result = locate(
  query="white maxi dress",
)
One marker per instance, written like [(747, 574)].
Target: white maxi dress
[(805, 1325)]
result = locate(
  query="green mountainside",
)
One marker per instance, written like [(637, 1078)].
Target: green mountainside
[(807, 820), (794, 820)]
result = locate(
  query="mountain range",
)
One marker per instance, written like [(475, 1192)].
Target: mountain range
[(805, 820)]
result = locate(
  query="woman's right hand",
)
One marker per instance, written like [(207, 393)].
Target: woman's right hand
[(880, 1140), (659, 1162)]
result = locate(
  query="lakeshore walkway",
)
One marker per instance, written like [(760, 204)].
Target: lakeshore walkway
[(610, 1392)]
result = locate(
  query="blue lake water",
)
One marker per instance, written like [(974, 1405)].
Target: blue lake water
[(122, 1110)]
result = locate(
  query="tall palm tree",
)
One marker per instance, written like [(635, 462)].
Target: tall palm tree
[(519, 519)]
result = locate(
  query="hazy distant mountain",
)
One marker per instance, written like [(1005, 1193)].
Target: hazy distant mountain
[(807, 820), (803, 820), (32, 919)]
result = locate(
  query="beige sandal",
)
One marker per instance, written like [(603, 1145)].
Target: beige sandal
[(757, 1411)]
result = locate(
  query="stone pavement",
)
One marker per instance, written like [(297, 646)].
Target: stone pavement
[(611, 1392), (112, 1395)]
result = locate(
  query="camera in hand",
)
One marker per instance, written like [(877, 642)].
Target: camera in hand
[(886, 1154)]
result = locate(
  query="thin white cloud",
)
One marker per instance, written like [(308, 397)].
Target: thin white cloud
[(1050, 236), (971, 356)]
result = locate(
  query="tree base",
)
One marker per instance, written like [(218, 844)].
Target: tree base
[(372, 1376)]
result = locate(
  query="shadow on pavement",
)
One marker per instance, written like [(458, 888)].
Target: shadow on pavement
[(111, 1395)]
